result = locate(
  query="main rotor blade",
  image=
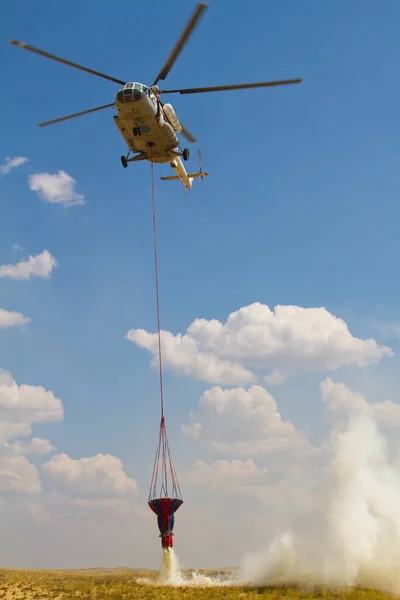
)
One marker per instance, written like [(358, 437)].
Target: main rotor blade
[(193, 21), (79, 114), (224, 88), (65, 62), (187, 134)]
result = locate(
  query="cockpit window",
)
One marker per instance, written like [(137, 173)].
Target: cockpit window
[(129, 85)]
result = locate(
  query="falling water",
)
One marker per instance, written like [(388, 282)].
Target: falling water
[(170, 572)]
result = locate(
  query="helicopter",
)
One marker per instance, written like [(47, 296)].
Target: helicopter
[(148, 126)]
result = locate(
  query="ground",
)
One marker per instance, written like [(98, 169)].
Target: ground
[(118, 584)]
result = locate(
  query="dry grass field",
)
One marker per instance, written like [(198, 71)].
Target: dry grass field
[(118, 584)]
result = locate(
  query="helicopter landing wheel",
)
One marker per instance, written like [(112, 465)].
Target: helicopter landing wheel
[(185, 154), (137, 131), (124, 162)]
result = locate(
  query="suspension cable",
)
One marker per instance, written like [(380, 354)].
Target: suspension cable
[(163, 451), (157, 293)]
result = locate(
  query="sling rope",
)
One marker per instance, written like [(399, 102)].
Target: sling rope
[(157, 292), (163, 453)]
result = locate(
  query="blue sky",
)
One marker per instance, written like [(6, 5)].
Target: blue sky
[(300, 208)]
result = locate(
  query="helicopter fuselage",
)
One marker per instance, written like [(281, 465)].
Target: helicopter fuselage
[(143, 123), (148, 128)]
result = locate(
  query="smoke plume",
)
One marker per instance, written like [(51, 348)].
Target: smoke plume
[(357, 541)]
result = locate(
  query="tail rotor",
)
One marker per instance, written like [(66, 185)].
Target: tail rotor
[(201, 174)]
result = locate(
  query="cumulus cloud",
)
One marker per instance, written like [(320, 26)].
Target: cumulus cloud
[(56, 188), (11, 163), (341, 402), (12, 318), (40, 265), (34, 446), (23, 405), (289, 486), (18, 475), (85, 500), (193, 430), (61, 504), (98, 476), (221, 473), (285, 341), (182, 354), (243, 422)]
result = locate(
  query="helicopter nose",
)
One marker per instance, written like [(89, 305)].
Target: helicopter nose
[(130, 93)]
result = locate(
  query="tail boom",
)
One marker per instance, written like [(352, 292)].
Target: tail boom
[(181, 174)]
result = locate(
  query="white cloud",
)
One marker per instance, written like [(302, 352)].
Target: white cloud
[(182, 354), (11, 319), (12, 163), (56, 189), (341, 402), (119, 504), (18, 475), (34, 446), (22, 406), (285, 341), (85, 501), (17, 247), (276, 377), (192, 430), (40, 265), (222, 473), (98, 476), (243, 422)]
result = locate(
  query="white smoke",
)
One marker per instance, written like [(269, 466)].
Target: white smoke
[(358, 542), (353, 539)]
